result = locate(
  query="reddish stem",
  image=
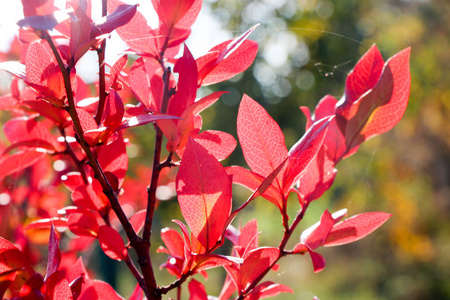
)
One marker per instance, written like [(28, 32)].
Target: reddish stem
[(101, 73), (157, 166), (141, 246), (78, 163), (287, 235)]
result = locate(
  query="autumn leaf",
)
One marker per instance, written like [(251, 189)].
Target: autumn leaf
[(204, 194)]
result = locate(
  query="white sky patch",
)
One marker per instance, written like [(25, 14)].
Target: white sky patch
[(206, 33), (10, 13)]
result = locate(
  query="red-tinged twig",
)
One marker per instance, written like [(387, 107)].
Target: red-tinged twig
[(101, 73), (141, 246), (287, 235), (177, 283), (101, 82), (78, 163), (107, 189), (135, 272), (157, 166), (179, 293)]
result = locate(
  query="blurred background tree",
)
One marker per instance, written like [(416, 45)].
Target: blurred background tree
[(307, 47)]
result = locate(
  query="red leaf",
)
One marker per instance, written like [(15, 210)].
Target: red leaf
[(218, 143), (111, 243), (76, 286), (381, 108), (80, 31), (116, 69), (136, 33), (6, 278), (83, 223), (18, 161), (87, 121), (268, 181), (114, 111), (268, 289), (105, 291), (184, 231), (315, 236), (175, 19), (304, 152), (44, 22), (318, 176), (198, 106), (364, 75), (23, 129), (41, 7), (334, 139), (59, 223), (137, 293), (252, 181), (177, 13), (146, 82), (355, 228), (248, 238), (144, 119), (35, 145), (57, 287), (209, 261), (119, 17), (197, 291), (261, 138), (190, 124), (317, 260), (54, 255), (43, 72), (137, 220), (84, 196), (32, 287), (43, 108), (12, 258), (255, 263), (187, 84), (228, 288), (72, 180), (113, 158), (173, 241), (8, 102), (78, 270), (204, 194), (227, 59)]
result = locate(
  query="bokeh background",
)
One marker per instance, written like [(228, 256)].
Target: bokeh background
[(306, 49)]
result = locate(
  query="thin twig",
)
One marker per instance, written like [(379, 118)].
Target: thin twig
[(287, 235), (78, 163), (156, 170), (141, 246), (101, 73)]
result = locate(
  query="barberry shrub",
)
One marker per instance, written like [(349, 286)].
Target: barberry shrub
[(56, 119)]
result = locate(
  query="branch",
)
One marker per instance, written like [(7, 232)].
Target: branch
[(157, 166), (287, 235), (177, 283), (107, 189), (78, 163), (101, 72), (141, 247)]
